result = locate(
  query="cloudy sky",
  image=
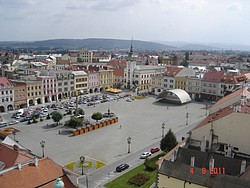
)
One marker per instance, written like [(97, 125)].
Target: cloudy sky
[(224, 21)]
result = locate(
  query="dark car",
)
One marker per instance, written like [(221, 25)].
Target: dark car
[(90, 104), (121, 167), (25, 119)]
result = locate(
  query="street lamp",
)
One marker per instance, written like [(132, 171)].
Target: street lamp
[(14, 134), (163, 127), (82, 159), (206, 109), (187, 115), (42, 143), (108, 111), (129, 142)]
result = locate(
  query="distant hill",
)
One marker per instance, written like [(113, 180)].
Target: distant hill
[(90, 43), (180, 45)]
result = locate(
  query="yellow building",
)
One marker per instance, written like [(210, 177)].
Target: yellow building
[(80, 82), (180, 83), (106, 79), (157, 84), (34, 92)]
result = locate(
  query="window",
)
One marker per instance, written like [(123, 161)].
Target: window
[(10, 91), (2, 100), (2, 93), (7, 92)]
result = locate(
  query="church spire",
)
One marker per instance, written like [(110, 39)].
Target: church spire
[(131, 50)]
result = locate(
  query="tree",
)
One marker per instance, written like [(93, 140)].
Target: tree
[(97, 116), (74, 122), (80, 111), (168, 142), (57, 116)]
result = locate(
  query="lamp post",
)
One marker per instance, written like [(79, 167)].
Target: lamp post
[(14, 134), (82, 159), (163, 127), (108, 111), (206, 109), (187, 115), (42, 143), (129, 142)]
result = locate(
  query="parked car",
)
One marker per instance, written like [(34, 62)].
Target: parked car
[(13, 122), (90, 104), (121, 167), (145, 155), (3, 124), (17, 117), (45, 110), (25, 119), (129, 100), (154, 150)]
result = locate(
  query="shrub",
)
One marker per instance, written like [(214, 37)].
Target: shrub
[(41, 119), (29, 122), (34, 120), (150, 165), (139, 179)]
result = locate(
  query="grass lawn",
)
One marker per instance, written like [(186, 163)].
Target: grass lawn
[(121, 181)]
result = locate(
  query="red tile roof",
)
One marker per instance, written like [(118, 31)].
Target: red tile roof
[(215, 116), (118, 72), (11, 157), (30, 176), (172, 71), (213, 76), (5, 82), (73, 54)]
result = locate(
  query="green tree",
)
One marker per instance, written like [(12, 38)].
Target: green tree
[(57, 116), (97, 116), (74, 122), (80, 111), (168, 142)]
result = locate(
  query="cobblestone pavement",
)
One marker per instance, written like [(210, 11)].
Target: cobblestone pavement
[(140, 119)]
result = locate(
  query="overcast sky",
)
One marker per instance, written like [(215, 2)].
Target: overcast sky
[(226, 21)]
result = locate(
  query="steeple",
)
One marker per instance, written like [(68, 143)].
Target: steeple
[(131, 50)]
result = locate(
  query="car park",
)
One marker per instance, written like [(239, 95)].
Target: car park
[(145, 155), (154, 150), (13, 122), (121, 167)]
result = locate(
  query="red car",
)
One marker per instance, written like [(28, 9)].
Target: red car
[(154, 150)]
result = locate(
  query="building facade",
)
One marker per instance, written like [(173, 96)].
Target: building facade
[(20, 96), (6, 95)]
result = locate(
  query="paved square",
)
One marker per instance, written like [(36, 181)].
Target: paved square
[(141, 120)]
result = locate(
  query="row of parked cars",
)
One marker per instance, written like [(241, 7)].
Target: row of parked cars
[(144, 155)]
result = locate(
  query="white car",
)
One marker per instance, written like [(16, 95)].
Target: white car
[(13, 122), (45, 110), (129, 100), (17, 117), (145, 155)]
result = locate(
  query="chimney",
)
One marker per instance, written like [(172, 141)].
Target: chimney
[(211, 163), (192, 161), (36, 161), (243, 166), (19, 166)]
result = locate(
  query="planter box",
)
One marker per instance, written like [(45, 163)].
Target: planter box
[(104, 123), (91, 128), (108, 122), (101, 125), (76, 132), (116, 119), (96, 126), (112, 121), (86, 129), (81, 130)]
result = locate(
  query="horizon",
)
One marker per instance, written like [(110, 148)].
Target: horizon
[(202, 21)]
